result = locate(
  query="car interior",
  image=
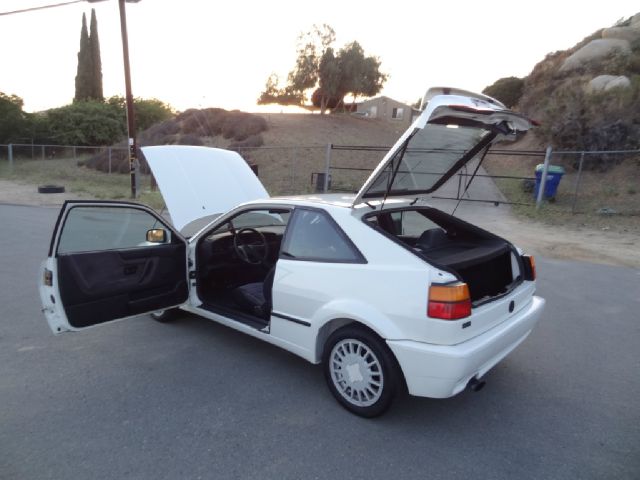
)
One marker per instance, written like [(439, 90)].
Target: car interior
[(484, 261), (236, 265)]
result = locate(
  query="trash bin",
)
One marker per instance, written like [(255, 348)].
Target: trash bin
[(320, 182), (554, 175)]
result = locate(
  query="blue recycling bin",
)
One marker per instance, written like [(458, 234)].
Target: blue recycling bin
[(554, 175)]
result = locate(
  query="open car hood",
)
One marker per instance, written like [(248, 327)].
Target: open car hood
[(199, 181), (454, 128)]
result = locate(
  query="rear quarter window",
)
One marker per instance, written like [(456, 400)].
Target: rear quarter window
[(313, 235)]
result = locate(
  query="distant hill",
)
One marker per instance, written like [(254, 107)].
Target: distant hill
[(588, 97), (280, 132)]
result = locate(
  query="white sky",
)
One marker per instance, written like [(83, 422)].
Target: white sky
[(199, 53)]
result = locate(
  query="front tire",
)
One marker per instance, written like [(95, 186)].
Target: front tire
[(361, 371), (164, 316)]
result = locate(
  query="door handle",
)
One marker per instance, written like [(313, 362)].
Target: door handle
[(130, 269)]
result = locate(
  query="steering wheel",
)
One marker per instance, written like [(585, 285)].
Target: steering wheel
[(252, 252)]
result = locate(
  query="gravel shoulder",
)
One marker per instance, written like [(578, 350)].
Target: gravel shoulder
[(610, 247)]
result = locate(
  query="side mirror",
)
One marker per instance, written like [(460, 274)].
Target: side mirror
[(157, 235)]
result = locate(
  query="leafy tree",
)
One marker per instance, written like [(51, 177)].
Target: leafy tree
[(330, 81), (508, 90), (89, 73), (273, 94), (148, 111), (84, 74), (361, 75), (331, 75), (96, 62), (86, 123), (13, 121)]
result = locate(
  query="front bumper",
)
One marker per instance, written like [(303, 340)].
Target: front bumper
[(441, 371)]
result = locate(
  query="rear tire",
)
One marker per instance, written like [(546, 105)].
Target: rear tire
[(164, 316), (361, 371)]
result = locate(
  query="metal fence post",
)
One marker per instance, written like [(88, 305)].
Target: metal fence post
[(10, 154), (575, 193), (42, 152), (327, 168), (109, 159), (74, 156), (543, 180), (293, 171)]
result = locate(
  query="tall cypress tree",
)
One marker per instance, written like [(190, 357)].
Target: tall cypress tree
[(84, 75), (94, 42)]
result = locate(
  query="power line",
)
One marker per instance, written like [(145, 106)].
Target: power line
[(42, 7)]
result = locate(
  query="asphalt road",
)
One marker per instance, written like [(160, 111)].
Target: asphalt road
[(193, 399)]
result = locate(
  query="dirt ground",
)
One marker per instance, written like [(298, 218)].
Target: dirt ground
[(592, 245), (565, 242)]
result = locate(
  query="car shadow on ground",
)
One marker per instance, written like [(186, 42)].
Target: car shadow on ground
[(276, 370)]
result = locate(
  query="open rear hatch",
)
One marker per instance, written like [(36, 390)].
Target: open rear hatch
[(450, 132)]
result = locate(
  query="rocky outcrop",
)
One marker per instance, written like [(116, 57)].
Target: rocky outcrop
[(630, 33), (603, 83), (595, 50)]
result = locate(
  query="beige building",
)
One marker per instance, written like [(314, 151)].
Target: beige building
[(387, 109)]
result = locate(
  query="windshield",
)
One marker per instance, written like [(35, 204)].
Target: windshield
[(429, 155)]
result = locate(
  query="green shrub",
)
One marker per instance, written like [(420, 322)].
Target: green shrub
[(85, 123), (508, 90), (577, 120), (13, 121), (252, 141)]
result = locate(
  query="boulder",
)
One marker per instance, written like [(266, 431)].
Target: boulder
[(595, 50), (629, 33), (603, 83)]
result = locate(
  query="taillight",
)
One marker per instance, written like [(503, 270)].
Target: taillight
[(449, 302), (529, 267)]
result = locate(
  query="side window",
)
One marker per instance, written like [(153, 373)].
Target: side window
[(274, 220), (313, 235), (93, 228), (411, 223)]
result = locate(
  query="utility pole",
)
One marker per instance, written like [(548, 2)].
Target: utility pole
[(134, 164)]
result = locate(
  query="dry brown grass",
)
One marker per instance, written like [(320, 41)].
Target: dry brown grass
[(617, 189), (296, 146)]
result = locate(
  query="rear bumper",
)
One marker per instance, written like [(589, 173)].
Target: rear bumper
[(441, 371)]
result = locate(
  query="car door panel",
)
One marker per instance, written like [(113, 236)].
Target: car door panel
[(114, 284), (104, 265)]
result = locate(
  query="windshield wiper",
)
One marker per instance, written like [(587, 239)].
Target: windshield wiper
[(287, 254)]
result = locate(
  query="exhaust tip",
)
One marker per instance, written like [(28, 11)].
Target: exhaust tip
[(476, 385)]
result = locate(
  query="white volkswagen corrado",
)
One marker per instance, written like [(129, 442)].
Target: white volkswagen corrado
[(383, 290)]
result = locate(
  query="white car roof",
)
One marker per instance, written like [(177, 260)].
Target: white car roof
[(336, 202)]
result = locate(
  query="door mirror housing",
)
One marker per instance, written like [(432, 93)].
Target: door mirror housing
[(157, 235)]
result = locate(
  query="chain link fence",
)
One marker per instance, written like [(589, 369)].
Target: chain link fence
[(593, 182)]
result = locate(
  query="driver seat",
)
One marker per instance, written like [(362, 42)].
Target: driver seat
[(255, 298)]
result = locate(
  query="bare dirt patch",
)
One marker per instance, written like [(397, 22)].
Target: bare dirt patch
[(27, 194), (608, 247)]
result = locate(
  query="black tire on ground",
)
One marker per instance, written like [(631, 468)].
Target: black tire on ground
[(361, 371), (164, 316), (51, 189)]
